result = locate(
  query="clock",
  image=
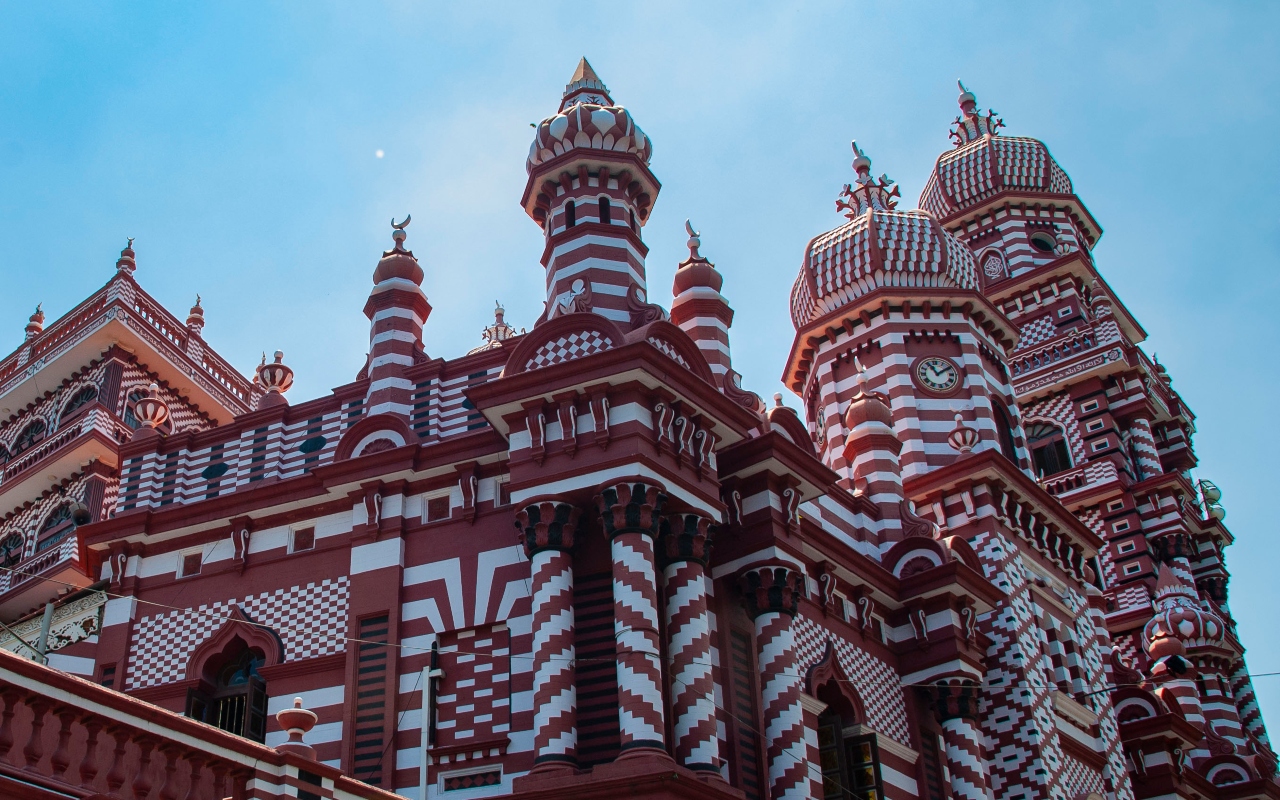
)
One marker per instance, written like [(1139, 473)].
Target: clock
[(937, 374)]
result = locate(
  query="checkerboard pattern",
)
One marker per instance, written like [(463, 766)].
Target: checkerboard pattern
[(1079, 779), (667, 350), (1061, 410), (310, 621), (567, 348), (1036, 331), (475, 698), (877, 684)]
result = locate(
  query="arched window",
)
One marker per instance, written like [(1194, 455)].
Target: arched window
[(1049, 452), (606, 215), (30, 435), (1004, 429), (4, 454), (850, 764), (11, 548), (233, 695), (83, 397), (570, 214), (55, 528)]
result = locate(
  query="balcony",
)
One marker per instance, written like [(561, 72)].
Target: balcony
[(94, 434), (41, 578), (1040, 368)]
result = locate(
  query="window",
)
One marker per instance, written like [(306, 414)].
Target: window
[(605, 211), (1127, 547), (191, 563), (850, 766), (1088, 407), (1064, 312), (1094, 425), (1004, 428), (55, 528), (304, 539), (1048, 449), (83, 397), (4, 454), (632, 217), (1132, 569), (1043, 242), (30, 435), (570, 214), (1115, 505), (11, 548), (437, 508), (1120, 527), (238, 703), (129, 418), (1100, 445)]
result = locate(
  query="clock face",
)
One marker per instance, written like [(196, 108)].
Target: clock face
[(937, 374)]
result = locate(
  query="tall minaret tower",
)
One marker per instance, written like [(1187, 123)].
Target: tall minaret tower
[(397, 308), (591, 190)]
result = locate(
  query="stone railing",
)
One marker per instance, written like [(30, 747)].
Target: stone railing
[(61, 736), (95, 418), (1051, 352), (32, 568)]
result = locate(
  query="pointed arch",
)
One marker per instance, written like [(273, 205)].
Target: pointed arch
[(827, 681)]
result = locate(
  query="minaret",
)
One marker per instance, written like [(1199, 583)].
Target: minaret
[(35, 325), (591, 190), (700, 310), (397, 309)]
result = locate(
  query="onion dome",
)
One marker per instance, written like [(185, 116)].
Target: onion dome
[(879, 246), (696, 272), (35, 324), (589, 119), (1179, 616), (275, 379), (497, 333), (126, 262), (195, 319), (984, 164), (151, 411), (398, 262), (866, 408)]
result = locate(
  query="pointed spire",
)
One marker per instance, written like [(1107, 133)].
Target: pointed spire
[(866, 193), (971, 125), (585, 87), (195, 319), (126, 262), (36, 322)]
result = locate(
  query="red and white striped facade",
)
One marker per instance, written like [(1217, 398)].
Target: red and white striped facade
[(583, 560)]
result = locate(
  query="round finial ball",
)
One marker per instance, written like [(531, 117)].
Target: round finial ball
[(777, 399)]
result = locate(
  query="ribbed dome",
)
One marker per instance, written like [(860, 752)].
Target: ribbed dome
[(878, 247), (985, 163), (587, 119), (398, 262)]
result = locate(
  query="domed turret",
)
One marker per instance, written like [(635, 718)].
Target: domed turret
[(591, 191), (35, 324), (1180, 617), (398, 262), (879, 246)]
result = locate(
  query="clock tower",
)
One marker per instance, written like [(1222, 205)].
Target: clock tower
[(894, 296)]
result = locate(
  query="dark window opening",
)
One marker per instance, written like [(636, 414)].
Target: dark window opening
[(1004, 429), (605, 211), (371, 699), (56, 527), (1049, 452), (744, 712), (30, 435), (83, 397), (631, 215), (595, 672), (437, 509), (570, 214), (932, 757), (304, 539), (238, 700), (107, 675), (1043, 242), (191, 564)]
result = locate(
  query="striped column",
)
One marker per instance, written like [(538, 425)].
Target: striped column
[(772, 596), (686, 542), (1146, 455), (957, 709), (630, 513), (872, 454), (546, 531), (397, 310), (1247, 703)]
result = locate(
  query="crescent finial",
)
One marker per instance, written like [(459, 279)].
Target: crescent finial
[(688, 226), (401, 226)]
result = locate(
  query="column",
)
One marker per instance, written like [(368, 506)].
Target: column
[(956, 706), (686, 543), (772, 596), (630, 512), (1146, 455), (547, 530)]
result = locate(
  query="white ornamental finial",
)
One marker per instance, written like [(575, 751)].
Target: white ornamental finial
[(694, 241)]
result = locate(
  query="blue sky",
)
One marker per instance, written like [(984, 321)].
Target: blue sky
[(237, 142)]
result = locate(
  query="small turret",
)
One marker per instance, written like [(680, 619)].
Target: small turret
[(871, 451), (397, 309), (195, 318), (126, 262), (275, 378), (35, 325)]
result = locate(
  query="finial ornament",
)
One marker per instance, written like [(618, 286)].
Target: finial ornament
[(866, 193), (195, 317), (962, 437), (971, 125), (494, 335), (397, 232), (130, 245), (275, 378), (694, 241), (150, 410), (35, 323), (126, 262)]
